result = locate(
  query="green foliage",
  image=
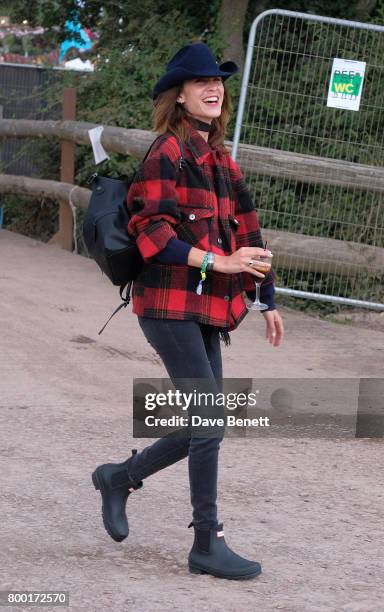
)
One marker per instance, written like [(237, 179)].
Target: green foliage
[(36, 219), (135, 42), (136, 39)]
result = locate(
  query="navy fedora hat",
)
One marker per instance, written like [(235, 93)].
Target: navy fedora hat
[(193, 60)]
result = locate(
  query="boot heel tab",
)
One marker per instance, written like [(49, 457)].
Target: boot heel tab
[(95, 481)]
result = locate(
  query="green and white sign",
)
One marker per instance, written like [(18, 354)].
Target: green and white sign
[(346, 84)]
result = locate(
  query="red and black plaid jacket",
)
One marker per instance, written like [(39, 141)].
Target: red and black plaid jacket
[(206, 204)]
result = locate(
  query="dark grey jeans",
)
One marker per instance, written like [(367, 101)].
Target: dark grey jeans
[(188, 349)]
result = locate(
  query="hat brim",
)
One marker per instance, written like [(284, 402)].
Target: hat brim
[(179, 75)]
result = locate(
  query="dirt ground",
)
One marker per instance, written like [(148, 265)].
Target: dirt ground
[(310, 510)]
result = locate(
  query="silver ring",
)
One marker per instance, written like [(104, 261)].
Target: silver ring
[(251, 262)]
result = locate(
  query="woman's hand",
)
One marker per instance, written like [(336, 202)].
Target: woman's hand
[(239, 261), (275, 328)]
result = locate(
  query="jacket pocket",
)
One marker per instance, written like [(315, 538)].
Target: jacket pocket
[(195, 224), (194, 214)]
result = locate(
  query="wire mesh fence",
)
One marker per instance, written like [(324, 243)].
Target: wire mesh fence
[(23, 95), (335, 196), (33, 92)]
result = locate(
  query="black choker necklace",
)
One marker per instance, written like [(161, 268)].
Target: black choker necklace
[(202, 126)]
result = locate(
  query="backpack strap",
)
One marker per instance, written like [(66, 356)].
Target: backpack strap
[(128, 286), (126, 299), (182, 156), (181, 146)]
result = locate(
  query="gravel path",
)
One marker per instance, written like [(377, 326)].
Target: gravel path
[(310, 510)]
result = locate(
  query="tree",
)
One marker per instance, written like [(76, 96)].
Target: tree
[(364, 9), (231, 27)]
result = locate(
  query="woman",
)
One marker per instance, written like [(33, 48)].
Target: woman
[(198, 233)]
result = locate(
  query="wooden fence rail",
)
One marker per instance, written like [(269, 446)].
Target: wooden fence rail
[(302, 251), (264, 161), (305, 252)]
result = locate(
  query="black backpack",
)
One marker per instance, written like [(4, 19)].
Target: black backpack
[(105, 231)]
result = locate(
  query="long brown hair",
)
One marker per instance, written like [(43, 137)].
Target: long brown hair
[(168, 115)]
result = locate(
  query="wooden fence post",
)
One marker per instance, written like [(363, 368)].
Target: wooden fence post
[(64, 236)]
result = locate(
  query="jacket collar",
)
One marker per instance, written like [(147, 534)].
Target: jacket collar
[(199, 147)]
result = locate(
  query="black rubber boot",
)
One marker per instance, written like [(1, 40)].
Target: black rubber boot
[(211, 555), (115, 484)]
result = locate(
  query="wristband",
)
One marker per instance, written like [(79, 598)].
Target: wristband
[(211, 261), (203, 275)]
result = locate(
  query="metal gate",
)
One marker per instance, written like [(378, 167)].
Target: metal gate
[(315, 172)]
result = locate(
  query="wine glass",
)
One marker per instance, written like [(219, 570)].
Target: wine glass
[(257, 305)]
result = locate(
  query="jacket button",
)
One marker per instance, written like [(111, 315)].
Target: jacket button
[(219, 240), (192, 217), (236, 221), (227, 298)]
